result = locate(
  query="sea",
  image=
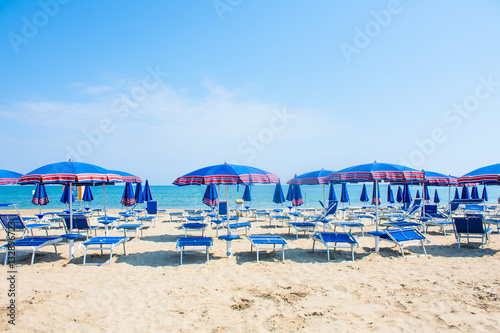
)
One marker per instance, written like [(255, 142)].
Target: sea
[(190, 197)]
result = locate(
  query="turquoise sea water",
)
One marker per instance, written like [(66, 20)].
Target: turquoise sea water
[(189, 197)]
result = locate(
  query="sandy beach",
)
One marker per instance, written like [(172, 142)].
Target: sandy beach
[(148, 291)]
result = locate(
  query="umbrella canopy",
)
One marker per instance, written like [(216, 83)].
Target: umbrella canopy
[(364, 195), (125, 176), (40, 197), (128, 198), (296, 195), (246, 194), (436, 197), (486, 175), (147, 192), (210, 198), (390, 194), (457, 196), (484, 195), (139, 195), (87, 195), (465, 193), (227, 174), (399, 195), (9, 177), (377, 171), (439, 179), (67, 196), (474, 193), (278, 196), (376, 194), (344, 195), (331, 194), (311, 178)]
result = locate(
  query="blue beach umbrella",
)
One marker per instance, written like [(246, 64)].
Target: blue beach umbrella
[(246, 194), (399, 195), (9, 177), (390, 195), (146, 194), (138, 196), (376, 194), (406, 195), (331, 194), (297, 196), (344, 195), (66, 196), (40, 197), (87, 195), (278, 197), (427, 197), (457, 196), (364, 195), (484, 195), (417, 196), (211, 198), (312, 178), (128, 197), (474, 193), (289, 193), (436, 197), (465, 193)]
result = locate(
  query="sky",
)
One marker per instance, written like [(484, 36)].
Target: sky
[(161, 88)]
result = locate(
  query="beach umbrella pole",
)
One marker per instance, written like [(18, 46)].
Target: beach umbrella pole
[(71, 241), (228, 242), (377, 240), (105, 210)]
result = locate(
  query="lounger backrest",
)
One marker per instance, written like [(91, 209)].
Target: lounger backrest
[(430, 209), (403, 235), (152, 207), (80, 222), (332, 208), (469, 225), (12, 222)]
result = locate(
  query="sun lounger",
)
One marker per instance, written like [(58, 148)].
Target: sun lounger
[(302, 227), (350, 225), (14, 223), (262, 243), (103, 244), (327, 238), (241, 225), (402, 237), (471, 227), (80, 222), (176, 216), (194, 227), (196, 244), (433, 217), (30, 244), (131, 227)]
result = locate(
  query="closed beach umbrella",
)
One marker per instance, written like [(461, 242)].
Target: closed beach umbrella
[(67, 196), (436, 197), (390, 195), (278, 197), (484, 196), (211, 198), (465, 193), (138, 196), (457, 196), (364, 195), (147, 192), (331, 194), (297, 199), (128, 197), (417, 196), (87, 194), (376, 195), (344, 195), (474, 193), (399, 195), (289, 193), (9, 177), (406, 194), (246, 194), (40, 197), (427, 197)]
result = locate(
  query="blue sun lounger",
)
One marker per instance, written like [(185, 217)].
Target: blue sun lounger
[(194, 226), (471, 227), (261, 243), (103, 244), (196, 244), (301, 226), (327, 238), (15, 223), (402, 237), (241, 225), (29, 244)]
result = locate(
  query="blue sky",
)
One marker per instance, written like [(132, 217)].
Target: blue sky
[(160, 88)]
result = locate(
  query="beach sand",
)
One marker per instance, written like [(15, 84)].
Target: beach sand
[(148, 291)]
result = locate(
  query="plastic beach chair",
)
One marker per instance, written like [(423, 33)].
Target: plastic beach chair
[(195, 244), (29, 244), (402, 237), (14, 223), (329, 238), (263, 242), (103, 244), (471, 227)]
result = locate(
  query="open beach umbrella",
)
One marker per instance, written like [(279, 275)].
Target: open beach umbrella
[(211, 198), (128, 197), (312, 178), (376, 195), (147, 192), (227, 174), (436, 197), (278, 197), (246, 194), (399, 195), (344, 195), (40, 198), (390, 194), (486, 175), (484, 195), (474, 193), (331, 194), (465, 193), (9, 177), (138, 195), (364, 196)]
